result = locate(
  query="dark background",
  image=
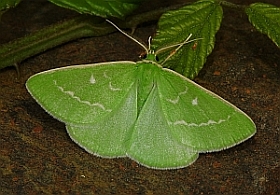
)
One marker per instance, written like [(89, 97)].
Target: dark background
[(38, 157)]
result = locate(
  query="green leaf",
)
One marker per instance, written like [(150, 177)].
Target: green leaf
[(201, 19), (6, 4), (266, 19), (103, 8)]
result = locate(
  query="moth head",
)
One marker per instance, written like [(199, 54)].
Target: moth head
[(150, 57), (149, 54)]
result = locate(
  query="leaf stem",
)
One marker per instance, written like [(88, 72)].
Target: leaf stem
[(232, 5), (49, 37)]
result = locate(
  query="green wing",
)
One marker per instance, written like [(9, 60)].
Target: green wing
[(97, 102), (178, 119), (152, 143), (181, 119), (199, 118), (108, 137), (83, 94)]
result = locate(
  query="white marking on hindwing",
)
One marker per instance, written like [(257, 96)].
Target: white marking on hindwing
[(209, 122), (176, 100), (72, 94), (92, 79), (105, 75), (111, 87), (195, 102)]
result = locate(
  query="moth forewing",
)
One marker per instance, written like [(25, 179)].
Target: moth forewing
[(199, 118), (82, 94)]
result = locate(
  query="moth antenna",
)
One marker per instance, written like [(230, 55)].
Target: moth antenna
[(180, 45), (177, 44), (132, 38), (149, 43)]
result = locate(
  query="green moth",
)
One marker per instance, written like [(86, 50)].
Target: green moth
[(140, 110)]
